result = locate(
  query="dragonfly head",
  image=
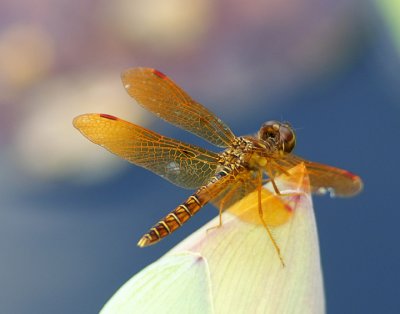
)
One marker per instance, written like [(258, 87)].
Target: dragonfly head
[(281, 134)]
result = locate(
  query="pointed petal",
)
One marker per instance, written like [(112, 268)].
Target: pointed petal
[(245, 268), (235, 268)]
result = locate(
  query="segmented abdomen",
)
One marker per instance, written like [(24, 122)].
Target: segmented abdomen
[(174, 219), (187, 209)]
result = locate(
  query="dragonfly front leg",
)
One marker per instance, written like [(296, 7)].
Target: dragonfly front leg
[(271, 178), (274, 185), (261, 214)]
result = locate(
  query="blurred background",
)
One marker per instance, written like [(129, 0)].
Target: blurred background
[(71, 213)]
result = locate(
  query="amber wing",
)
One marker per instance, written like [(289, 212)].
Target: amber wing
[(323, 178), (185, 165), (160, 95), (243, 184)]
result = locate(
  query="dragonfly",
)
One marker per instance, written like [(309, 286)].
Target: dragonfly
[(243, 166)]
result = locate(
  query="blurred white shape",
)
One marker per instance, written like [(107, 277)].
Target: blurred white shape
[(49, 147), (391, 12), (163, 27), (169, 282), (237, 264), (26, 55)]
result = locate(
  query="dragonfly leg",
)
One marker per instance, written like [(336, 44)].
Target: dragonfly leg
[(277, 192), (274, 185), (261, 214), (284, 171), (221, 206), (271, 178), (265, 181), (219, 222)]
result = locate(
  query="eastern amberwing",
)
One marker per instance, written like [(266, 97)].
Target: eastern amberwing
[(221, 178)]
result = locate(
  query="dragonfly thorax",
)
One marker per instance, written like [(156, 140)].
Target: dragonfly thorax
[(254, 152), (247, 153)]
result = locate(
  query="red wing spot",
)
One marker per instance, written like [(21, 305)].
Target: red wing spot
[(159, 74), (351, 175), (108, 116)]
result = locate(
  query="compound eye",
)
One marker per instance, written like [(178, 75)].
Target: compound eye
[(269, 130), (287, 138)]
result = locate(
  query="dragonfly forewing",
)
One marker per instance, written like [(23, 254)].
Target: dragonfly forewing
[(160, 95)]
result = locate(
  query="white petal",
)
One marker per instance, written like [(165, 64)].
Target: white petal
[(246, 274), (239, 264), (177, 283)]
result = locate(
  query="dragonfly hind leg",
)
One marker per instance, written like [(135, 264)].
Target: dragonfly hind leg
[(222, 203)]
